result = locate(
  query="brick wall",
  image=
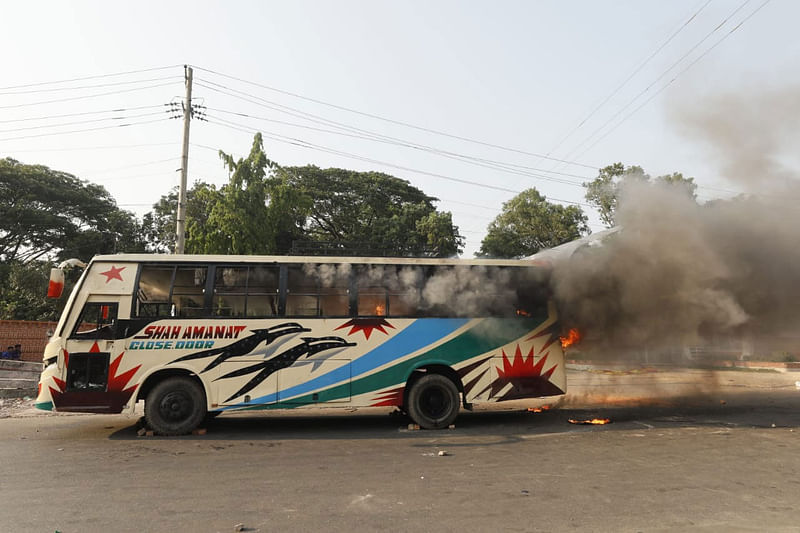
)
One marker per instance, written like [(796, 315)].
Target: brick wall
[(31, 335)]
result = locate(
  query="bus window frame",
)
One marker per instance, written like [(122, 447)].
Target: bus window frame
[(105, 332)]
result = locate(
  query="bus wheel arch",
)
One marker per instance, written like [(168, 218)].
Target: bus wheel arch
[(175, 401), (432, 396)]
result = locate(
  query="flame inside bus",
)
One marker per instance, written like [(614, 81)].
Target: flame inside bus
[(572, 337)]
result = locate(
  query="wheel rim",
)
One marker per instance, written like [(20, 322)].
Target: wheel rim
[(434, 402), (176, 406)]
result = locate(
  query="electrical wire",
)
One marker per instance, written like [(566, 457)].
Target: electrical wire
[(397, 122), (630, 76), (84, 113), (482, 162), (671, 81), (654, 82), (84, 97), (107, 147), (85, 130), (75, 123), (305, 144), (81, 87), (99, 76)]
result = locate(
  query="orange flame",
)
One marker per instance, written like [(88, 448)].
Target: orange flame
[(592, 421), (572, 337), (539, 409), (380, 310)]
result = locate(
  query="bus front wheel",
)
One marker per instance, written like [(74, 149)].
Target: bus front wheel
[(433, 401), (175, 406)]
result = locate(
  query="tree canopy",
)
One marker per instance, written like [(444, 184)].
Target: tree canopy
[(269, 209), (48, 216), (47, 213), (603, 192), (529, 223)]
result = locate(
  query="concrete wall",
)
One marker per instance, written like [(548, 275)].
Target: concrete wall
[(31, 335)]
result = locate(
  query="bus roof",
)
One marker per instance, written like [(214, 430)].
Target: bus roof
[(192, 258)]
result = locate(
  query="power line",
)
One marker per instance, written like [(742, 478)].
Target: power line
[(107, 147), (671, 81), (387, 139), (99, 76), (399, 123), (81, 87), (126, 167), (67, 115), (484, 163), (305, 144), (84, 97), (74, 123), (626, 80), (664, 73), (85, 130)]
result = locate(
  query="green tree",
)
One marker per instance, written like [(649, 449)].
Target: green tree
[(159, 225), (256, 212), (269, 209), (23, 289), (48, 213), (603, 192), (373, 211), (529, 223)]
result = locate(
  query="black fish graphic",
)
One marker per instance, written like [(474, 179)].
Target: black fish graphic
[(309, 347), (246, 345)]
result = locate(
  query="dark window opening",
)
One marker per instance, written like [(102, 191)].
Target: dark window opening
[(318, 290), (246, 291), (87, 372), (170, 291), (97, 321)]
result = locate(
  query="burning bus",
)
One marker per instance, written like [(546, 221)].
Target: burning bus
[(195, 336)]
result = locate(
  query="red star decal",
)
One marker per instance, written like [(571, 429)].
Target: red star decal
[(366, 325), (113, 273)]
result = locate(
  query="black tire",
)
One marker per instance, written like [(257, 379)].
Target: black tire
[(433, 401), (175, 406)]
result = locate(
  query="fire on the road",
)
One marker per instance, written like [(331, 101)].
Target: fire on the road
[(591, 421)]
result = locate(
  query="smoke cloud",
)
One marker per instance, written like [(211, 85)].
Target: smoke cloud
[(682, 272)]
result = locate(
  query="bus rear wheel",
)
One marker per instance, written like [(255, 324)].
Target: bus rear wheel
[(175, 406), (433, 401)]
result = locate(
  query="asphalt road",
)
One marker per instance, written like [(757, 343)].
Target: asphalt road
[(699, 451)]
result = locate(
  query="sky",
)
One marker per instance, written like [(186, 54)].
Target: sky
[(472, 102)]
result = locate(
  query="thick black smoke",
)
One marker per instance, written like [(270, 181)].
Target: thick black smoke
[(682, 272)]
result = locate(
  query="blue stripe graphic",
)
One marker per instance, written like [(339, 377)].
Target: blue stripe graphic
[(419, 334)]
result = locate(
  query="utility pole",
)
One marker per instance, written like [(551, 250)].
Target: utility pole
[(187, 117)]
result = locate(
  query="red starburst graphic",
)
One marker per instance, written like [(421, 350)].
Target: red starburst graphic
[(389, 398), (117, 383), (111, 400), (113, 273), (523, 367), (367, 325)]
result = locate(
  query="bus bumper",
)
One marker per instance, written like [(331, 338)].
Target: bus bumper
[(48, 379)]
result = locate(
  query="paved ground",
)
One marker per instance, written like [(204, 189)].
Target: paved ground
[(702, 451)]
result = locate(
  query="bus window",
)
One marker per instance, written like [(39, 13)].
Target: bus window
[(188, 291), (317, 290), (388, 291), (152, 297), (262, 291), (97, 321), (245, 291)]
